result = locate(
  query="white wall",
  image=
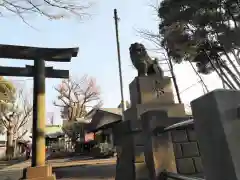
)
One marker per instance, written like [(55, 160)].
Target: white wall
[(3, 137), (2, 152)]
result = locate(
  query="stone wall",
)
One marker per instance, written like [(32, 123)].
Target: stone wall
[(187, 157), (187, 153)]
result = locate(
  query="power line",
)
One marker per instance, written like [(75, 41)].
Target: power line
[(199, 76), (190, 86)]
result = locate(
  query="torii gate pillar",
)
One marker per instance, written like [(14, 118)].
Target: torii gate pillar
[(38, 170)]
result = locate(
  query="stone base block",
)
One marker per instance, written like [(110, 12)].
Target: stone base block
[(141, 171), (39, 173), (139, 154), (53, 177), (172, 110), (139, 158)]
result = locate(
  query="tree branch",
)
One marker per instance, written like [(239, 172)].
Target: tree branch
[(62, 8), (75, 95)]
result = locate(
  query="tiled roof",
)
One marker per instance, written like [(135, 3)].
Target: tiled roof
[(117, 111), (98, 120), (53, 129)]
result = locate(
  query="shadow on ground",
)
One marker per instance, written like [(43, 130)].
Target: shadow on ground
[(86, 172)]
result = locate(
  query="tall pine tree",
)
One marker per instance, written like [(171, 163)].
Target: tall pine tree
[(204, 32)]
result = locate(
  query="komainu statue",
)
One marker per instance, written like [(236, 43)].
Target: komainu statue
[(142, 62)]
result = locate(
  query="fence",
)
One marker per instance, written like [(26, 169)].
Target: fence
[(176, 126), (181, 125)]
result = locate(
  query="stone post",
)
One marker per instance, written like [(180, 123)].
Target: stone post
[(217, 126), (158, 148)]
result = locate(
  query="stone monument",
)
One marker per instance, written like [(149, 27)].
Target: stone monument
[(149, 91), (217, 125)]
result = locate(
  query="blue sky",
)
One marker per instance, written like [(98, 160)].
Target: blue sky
[(95, 38)]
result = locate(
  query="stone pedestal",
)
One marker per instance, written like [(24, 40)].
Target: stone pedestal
[(152, 93), (142, 155), (151, 89), (159, 152), (39, 173)]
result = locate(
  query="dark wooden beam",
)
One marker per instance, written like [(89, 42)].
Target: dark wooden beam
[(32, 53), (28, 71)]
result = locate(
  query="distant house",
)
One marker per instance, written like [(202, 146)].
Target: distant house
[(102, 122), (95, 127), (54, 136), (78, 126), (20, 143), (103, 118), (54, 131)]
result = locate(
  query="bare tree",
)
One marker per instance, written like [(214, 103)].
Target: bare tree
[(16, 117), (7, 91), (76, 96), (52, 9)]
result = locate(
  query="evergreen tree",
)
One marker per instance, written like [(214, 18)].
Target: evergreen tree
[(204, 32)]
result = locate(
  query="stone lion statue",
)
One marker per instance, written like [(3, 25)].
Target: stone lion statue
[(142, 62)]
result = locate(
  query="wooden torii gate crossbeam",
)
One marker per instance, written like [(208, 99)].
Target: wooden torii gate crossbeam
[(39, 72)]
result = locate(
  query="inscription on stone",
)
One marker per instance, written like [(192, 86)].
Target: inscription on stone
[(158, 90)]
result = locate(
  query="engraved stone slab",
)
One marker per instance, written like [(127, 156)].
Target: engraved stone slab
[(151, 89)]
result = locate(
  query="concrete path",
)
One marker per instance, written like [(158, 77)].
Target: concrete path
[(86, 172), (65, 162), (93, 169)]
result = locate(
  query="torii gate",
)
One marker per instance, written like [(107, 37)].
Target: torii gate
[(39, 72)]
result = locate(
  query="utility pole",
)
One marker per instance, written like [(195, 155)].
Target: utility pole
[(116, 19)]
